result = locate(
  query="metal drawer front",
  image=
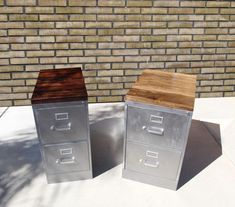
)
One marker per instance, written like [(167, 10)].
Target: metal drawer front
[(62, 124), (152, 161), (153, 127), (66, 158)]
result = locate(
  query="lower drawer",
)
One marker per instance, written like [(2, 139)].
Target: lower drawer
[(152, 160), (65, 158)]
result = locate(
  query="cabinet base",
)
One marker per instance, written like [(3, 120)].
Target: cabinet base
[(66, 177), (148, 179)]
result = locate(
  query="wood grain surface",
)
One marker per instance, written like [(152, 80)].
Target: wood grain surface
[(59, 85), (174, 90)]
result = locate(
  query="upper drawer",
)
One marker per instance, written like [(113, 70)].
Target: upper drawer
[(154, 127), (62, 124)]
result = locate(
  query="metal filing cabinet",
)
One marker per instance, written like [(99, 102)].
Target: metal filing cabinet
[(158, 112), (61, 114)]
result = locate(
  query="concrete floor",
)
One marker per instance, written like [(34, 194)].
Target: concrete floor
[(207, 177)]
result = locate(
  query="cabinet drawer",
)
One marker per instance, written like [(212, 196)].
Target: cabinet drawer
[(62, 124), (66, 158), (152, 161), (154, 127)]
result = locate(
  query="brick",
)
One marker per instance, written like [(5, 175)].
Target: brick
[(218, 4), (164, 44), (211, 83), (204, 37), (11, 68), (225, 50), (52, 32), (193, 3), (137, 58), (3, 33), (151, 65), (68, 39), (97, 38), (206, 11), (82, 3), (23, 61), (31, 82), (212, 70), (216, 31), (203, 51), (138, 45), (21, 102), (110, 18), (10, 25), (110, 99), (191, 31), (3, 18), (224, 63), (5, 90), (227, 94), (87, 73), (188, 70), (11, 83), (23, 17), (97, 80), (111, 45), (21, 3), (226, 37), (99, 93), (178, 51), (110, 59), (191, 17), (214, 94), (40, 39), (5, 103), (51, 3), (126, 38), (126, 25), (165, 31), (119, 92), (164, 17), (91, 86), (215, 44), (83, 17), (214, 57), (53, 18), (133, 72), (39, 25), (145, 3), (138, 17), (203, 89), (98, 10), (127, 10), (180, 11), (154, 10), (4, 62), (39, 53), (68, 10), (179, 37), (110, 86), (38, 67), (231, 31), (231, 57), (229, 82), (22, 32), (125, 52), (97, 52), (202, 64), (112, 3), (98, 25), (51, 60), (188, 57), (152, 51), (228, 11), (55, 46), (4, 47), (8, 96), (83, 45), (206, 24), (98, 66), (92, 100), (11, 39), (190, 44), (218, 18), (82, 32), (180, 24), (10, 10), (153, 24), (230, 70), (24, 75), (66, 65), (69, 53), (224, 76), (177, 65), (69, 25), (166, 3), (11, 54), (138, 31), (155, 38), (111, 32), (4, 76), (124, 65), (124, 79), (164, 58), (82, 59), (110, 73)]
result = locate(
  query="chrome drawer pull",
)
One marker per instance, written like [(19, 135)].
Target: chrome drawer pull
[(66, 127), (155, 130), (67, 160), (150, 163)]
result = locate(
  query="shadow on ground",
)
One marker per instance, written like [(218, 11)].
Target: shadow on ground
[(204, 147), (20, 163)]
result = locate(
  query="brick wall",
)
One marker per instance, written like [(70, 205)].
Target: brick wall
[(113, 40)]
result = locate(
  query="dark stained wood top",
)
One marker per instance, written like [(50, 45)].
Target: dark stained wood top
[(59, 85), (174, 90)]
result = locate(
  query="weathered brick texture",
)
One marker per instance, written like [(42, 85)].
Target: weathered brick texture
[(113, 41)]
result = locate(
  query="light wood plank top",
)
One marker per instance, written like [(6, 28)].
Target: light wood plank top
[(174, 90)]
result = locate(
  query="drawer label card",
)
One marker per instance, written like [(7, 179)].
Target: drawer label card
[(61, 116)]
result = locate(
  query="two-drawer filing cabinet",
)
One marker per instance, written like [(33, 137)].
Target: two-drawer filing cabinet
[(60, 109), (158, 112)]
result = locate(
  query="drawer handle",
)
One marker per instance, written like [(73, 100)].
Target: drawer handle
[(66, 127), (150, 163), (156, 119), (154, 130), (66, 160)]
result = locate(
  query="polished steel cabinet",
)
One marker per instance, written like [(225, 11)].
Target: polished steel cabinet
[(61, 114), (157, 123)]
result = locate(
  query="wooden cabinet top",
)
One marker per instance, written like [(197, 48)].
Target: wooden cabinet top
[(174, 90), (59, 85)]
